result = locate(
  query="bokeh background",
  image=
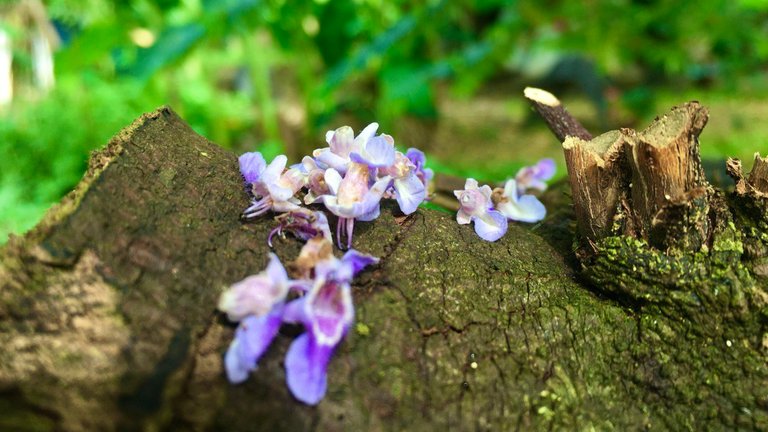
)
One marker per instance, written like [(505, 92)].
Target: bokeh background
[(444, 76)]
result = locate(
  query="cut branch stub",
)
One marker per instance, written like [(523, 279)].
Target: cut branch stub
[(669, 190), (751, 194), (596, 173), (756, 183), (559, 120), (758, 177), (648, 184)]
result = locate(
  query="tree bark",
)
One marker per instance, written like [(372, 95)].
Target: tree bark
[(108, 316)]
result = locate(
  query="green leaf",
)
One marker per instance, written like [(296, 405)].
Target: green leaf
[(229, 7), (172, 44), (378, 47)]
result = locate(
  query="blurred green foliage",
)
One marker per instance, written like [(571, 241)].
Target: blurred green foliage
[(273, 74)]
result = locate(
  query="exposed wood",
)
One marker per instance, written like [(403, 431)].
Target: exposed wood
[(648, 184), (667, 175), (756, 183), (597, 173), (758, 177), (751, 211)]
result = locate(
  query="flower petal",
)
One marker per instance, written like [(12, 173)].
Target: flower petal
[(416, 157), (286, 206), (279, 193), (368, 209), (357, 261), (252, 338), (236, 370), (340, 210), (251, 166), (250, 296), (409, 193), (463, 217), (322, 225), (306, 366), (327, 159), (256, 333), (342, 141), (367, 216), (365, 135), (329, 308), (381, 185), (546, 169), (428, 174), (528, 208), (486, 191), (276, 272), (378, 152), (354, 186), (473, 201), (510, 190), (274, 169), (295, 311), (308, 164), (333, 180), (256, 295), (491, 226), (534, 177)]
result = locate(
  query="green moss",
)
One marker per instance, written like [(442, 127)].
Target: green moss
[(708, 301), (712, 279), (362, 329), (22, 418)]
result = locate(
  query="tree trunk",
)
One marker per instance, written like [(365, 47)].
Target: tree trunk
[(108, 315)]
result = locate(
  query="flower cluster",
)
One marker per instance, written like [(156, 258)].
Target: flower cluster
[(320, 299), (490, 210), (349, 177)]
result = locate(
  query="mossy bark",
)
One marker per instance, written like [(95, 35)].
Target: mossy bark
[(108, 318)]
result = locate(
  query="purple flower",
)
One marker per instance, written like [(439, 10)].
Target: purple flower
[(258, 294), (251, 166), (303, 223), (327, 313), (525, 208), (409, 190), (325, 310), (258, 303), (534, 177), (367, 148), (252, 338), (418, 159), (351, 198), (476, 206), (270, 187), (377, 152), (314, 179)]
